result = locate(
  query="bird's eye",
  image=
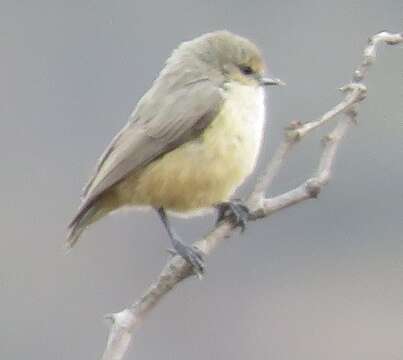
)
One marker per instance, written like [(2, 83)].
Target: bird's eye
[(247, 70)]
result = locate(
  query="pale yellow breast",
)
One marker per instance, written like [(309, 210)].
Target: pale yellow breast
[(207, 170)]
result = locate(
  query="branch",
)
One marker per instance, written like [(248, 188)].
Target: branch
[(125, 322)]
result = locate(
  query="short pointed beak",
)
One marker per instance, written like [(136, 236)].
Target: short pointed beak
[(269, 82)]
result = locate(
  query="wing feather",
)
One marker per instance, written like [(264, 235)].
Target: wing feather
[(164, 119)]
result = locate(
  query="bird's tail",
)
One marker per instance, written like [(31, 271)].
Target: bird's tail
[(79, 223), (87, 214)]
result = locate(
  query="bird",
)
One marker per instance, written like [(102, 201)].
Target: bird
[(190, 142)]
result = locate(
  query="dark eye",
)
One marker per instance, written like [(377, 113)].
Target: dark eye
[(247, 70)]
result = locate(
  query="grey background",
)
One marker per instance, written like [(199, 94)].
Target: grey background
[(322, 280)]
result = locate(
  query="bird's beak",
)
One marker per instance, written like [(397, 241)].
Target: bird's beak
[(264, 81)]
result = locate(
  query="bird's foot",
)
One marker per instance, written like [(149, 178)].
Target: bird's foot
[(235, 211), (191, 255)]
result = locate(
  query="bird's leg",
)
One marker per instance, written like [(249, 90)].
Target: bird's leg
[(192, 255), (235, 211)]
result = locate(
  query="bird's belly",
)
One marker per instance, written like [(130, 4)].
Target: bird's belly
[(207, 170)]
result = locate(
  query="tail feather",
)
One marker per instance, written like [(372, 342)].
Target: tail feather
[(73, 236), (90, 212), (81, 221)]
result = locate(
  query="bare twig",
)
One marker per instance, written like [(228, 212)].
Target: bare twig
[(125, 322), (356, 92)]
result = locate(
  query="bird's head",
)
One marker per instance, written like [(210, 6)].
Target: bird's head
[(229, 57)]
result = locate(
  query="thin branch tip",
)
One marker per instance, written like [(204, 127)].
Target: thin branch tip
[(123, 319), (110, 318), (313, 187)]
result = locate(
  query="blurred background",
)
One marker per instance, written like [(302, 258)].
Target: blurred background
[(322, 280)]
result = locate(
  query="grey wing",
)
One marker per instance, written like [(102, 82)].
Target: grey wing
[(158, 125)]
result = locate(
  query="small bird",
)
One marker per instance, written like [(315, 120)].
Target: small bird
[(190, 142)]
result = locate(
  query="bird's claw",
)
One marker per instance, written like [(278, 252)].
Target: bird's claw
[(171, 252), (191, 255), (235, 211)]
